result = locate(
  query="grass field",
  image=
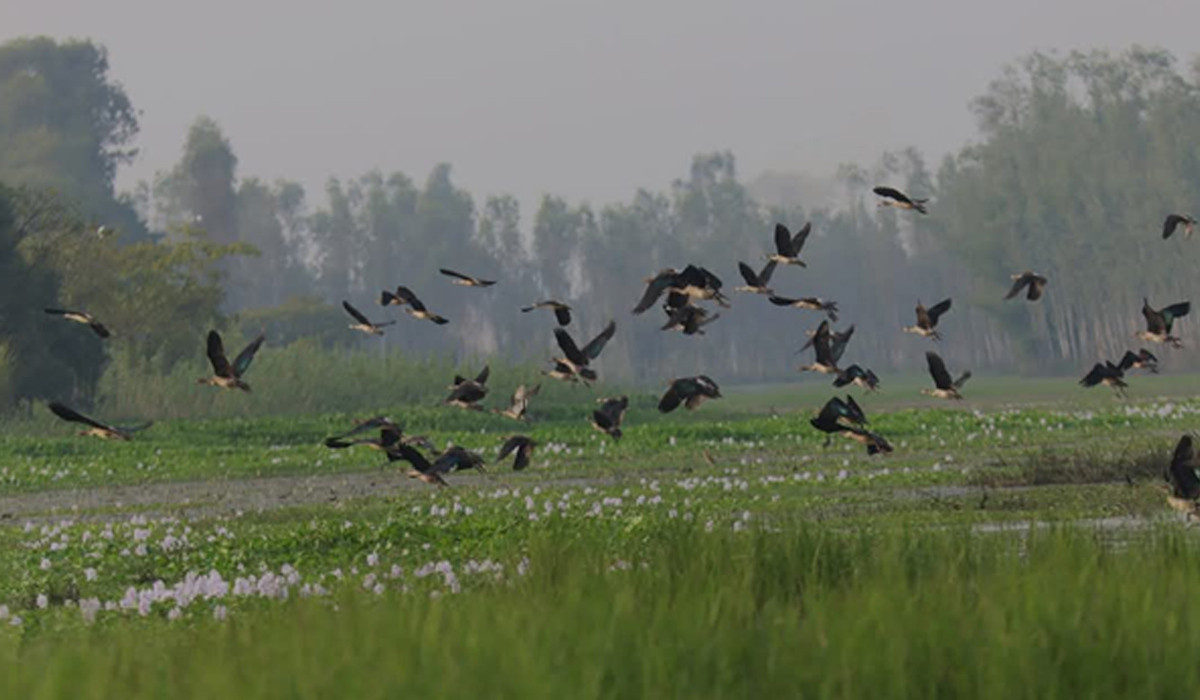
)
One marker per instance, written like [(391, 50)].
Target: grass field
[(1016, 544)]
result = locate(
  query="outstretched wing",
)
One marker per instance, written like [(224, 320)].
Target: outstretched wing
[(246, 356), (764, 275), (800, 237), (407, 296), (1018, 285), (595, 345), (937, 310), (216, 355), (459, 275), (355, 313), (654, 290), (411, 455), (674, 396), (747, 273), (937, 370), (783, 240), (1175, 311), (69, 414), (569, 348), (1155, 322), (482, 377), (892, 193), (856, 413), (1169, 225)]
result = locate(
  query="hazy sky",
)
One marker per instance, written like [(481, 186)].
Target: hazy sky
[(585, 99)]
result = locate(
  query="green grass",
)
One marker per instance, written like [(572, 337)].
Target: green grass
[(1005, 549)]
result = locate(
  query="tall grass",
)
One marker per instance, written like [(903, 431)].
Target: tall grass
[(807, 612)]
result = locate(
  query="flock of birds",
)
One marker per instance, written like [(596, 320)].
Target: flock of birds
[(684, 291)]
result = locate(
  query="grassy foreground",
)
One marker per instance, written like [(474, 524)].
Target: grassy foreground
[(784, 608)]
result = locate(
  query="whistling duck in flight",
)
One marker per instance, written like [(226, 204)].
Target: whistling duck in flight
[(1185, 485), (519, 404), (1173, 221), (688, 319), (690, 391), (413, 306), (95, 428), (562, 312), (363, 324), (829, 421), (575, 358), (857, 376), (824, 363), (523, 446), (467, 393), (946, 387), (81, 317), (1035, 282), (810, 303), (226, 375), (1108, 374), (607, 419), (927, 319), (787, 246), (756, 282), (695, 282), (420, 467), (893, 197), (1159, 322), (1143, 359), (466, 280)]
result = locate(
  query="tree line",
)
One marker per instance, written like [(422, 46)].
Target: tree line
[(1078, 159)]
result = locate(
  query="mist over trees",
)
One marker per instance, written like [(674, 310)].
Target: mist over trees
[(1079, 158)]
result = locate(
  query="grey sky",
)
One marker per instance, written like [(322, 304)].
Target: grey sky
[(585, 99)]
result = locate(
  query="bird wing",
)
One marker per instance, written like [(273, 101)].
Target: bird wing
[(59, 312), (654, 290), (1155, 323), (246, 356), (764, 275), (1097, 374), (748, 274), (856, 413), (1146, 356), (216, 355), (1037, 285), (569, 348), (523, 454), (937, 369), (937, 310), (838, 343), (69, 414), (962, 379), (1183, 475), (459, 275), (509, 445), (783, 240), (407, 296), (410, 454), (800, 237), (592, 350), (1175, 311), (1127, 360), (482, 377), (1169, 225), (99, 329), (781, 301), (674, 396), (355, 313), (892, 193), (1018, 284)]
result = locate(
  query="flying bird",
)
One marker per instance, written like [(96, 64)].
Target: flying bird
[(1173, 221), (756, 282), (690, 391), (95, 428), (1035, 282), (467, 393), (389, 437), (420, 467), (787, 246), (466, 280), (1143, 359), (893, 197), (694, 282), (363, 324), (562, 312), (564, 373), (457, 459), (522, 446), (837, 341), (1159, 323), (607, 419), (946, 387), (519, 404), (857, 376), (810, 303), (824, 363), (413, 306), (927, 319), (1181, 476), (226, 375), (577, 359), (1108, 374), (830, 421), (81, 317), (688, 319)]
